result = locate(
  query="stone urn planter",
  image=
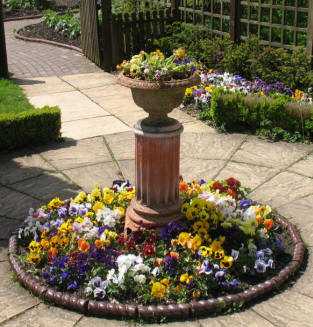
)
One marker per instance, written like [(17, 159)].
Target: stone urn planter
[(157, 152)]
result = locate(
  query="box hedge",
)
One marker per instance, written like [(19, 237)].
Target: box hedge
[(32, 127), (228, 109)]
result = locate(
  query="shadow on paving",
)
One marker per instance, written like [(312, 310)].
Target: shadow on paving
[(21, 81), (28, 181)]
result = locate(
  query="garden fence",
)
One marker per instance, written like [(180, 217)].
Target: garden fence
[(279, 23), (109, 38)]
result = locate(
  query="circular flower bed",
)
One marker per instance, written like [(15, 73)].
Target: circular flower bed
[(226, 250)]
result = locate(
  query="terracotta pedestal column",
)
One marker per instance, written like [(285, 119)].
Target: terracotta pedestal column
[(157, 177)]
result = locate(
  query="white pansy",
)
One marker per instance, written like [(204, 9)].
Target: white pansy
[(141, 279)]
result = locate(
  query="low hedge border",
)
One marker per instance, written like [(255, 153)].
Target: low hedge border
[(31, 127), (170, 311)]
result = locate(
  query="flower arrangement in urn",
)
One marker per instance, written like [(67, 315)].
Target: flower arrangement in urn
[(155, 67)]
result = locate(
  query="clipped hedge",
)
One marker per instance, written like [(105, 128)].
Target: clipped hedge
[(32, 127), (278, 113)]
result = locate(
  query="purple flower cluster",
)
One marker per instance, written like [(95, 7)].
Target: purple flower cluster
[(171, 230), (260, 86)]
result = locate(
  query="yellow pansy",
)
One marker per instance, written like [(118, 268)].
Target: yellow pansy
[(55, 203), (184, 208), (183, 238), (158, 290), (219, 254), (185, 278), (121, 210), (226, 262), (204, 215), (197, 225), (96, 195), (44, 244), (203, 233), (79, 220), (108, 195), (191, 213), (188, 92), (206, 251), (33, 247), (81, 197), (194, 243), (33, 258), (97, 206)]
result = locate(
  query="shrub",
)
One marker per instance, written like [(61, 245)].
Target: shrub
[(25, 4), (271, 116), (32, 127), (66, 25)]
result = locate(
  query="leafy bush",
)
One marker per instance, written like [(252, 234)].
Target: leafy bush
[(66, 24), (249, 59), (25, 4), (269, 116), (35, 126)]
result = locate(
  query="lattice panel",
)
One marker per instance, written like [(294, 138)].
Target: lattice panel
[(281, 23)]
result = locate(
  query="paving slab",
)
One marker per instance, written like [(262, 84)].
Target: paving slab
[(270, 154), (249, 175), (81, 129), (48, 186), (198, 127), (304, 284), (301, 213), (122, 145), (44, 315), (20, 165), (304, 166), (14, 300), (283, 189), (128, 170), (76, 154), (101, 322), (247, 318), (8, 226), (74, 105), (189, 323), (43, 86), (16, 205), (3, 250), (209, 146), (103, 174), (131, 118), (288, 309), (109, 90), (88, 81), (199, 168), (181, 116)]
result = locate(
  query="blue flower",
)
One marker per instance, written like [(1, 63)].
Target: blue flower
[(72, 286), (260, 266)]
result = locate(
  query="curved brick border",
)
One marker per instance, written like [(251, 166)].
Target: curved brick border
[(58, 44), (171, 311)]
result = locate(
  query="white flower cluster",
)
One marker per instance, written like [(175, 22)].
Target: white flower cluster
[(34, 223), (108, 217)]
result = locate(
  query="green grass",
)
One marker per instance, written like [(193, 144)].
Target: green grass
[(12, 98)]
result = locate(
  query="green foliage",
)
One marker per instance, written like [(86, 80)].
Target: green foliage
[(12, 98), (25, 4), (249, 59), (32, 127), (66, 25), (266, 116)]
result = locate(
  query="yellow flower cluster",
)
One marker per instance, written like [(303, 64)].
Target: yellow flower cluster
[(159, 288)]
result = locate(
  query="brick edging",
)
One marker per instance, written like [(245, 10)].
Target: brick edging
[(58, 44), (171, 311)]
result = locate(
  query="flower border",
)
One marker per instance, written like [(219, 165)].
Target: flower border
[(170, 311)]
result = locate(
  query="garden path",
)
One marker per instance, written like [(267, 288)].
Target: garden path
[(97, 116), (32, 59)]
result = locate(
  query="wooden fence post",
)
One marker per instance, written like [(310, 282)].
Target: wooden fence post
[(175, 11), (234, 20), (309, 45), (107, 34), (3, 53)]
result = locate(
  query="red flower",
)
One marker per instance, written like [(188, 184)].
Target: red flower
[(233, 183), (121, 240), (131, 246), (148, 250), (219, 186), (231, 192), (152, 239)]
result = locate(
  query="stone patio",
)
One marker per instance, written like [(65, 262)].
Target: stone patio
[(98, 146)]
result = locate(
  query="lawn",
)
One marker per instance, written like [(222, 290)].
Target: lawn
[(12, 98)]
